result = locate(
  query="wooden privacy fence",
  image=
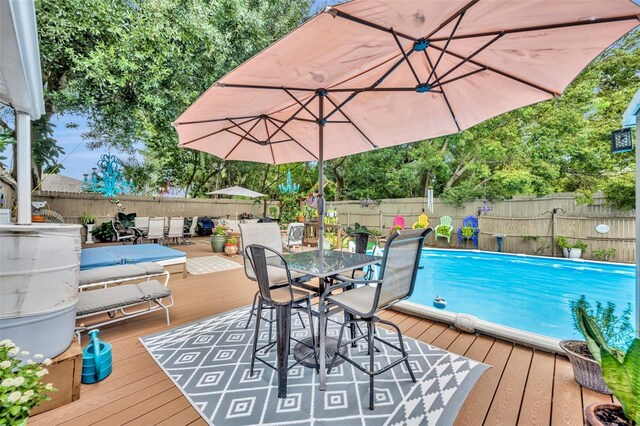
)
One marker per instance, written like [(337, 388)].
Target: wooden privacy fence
[(526, 222), (73, 205), (516, 218)]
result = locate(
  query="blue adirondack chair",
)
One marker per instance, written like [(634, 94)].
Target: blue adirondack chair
[(472, 222)]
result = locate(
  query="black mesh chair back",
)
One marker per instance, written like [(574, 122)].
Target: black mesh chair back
[(361, 240), (263, 260), (400, 266)]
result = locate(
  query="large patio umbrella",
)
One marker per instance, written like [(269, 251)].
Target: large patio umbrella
[(237, 191), (376, 73)]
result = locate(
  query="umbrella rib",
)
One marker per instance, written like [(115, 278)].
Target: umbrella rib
[(468, 58), (300, 103), (502, 73), (353, 124), (248, 136), (251, 138), (452, 17), (373, 86), (444, 95), (266, 87), (213, 120), (285, 122), (293, 139), (216, 132), (406, 58), (241, 139), (451, 80), (340, 14), (453, 32), (544, 27)]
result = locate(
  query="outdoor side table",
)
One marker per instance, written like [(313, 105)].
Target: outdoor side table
[(499, 238)]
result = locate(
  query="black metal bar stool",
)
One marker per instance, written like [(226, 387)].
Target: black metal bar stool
[(282, 299)]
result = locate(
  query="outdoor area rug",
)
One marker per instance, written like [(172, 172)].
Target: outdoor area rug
[(209, 362), (209, 264)]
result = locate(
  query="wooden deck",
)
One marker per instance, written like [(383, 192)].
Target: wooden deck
[(523, 387)]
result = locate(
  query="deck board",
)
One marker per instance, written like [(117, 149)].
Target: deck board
[(508, 398), (475, 408), (536, 403), (518, 387)]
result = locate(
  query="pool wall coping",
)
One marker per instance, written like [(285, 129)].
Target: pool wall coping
[(526, 338)]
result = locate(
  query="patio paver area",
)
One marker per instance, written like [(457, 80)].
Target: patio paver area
[(524, 387)]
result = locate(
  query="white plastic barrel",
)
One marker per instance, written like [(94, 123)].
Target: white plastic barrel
[(39, 268)]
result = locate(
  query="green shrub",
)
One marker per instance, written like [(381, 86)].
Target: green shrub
[(604, 254), (617, 331)]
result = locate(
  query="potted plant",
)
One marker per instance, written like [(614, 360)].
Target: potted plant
[(103, 232), (244, 216), (273, 211), (231, 246), (621, 371), (468, 232), (21, 386), (300, 216), (570, 251), (88, 220), (218, 238), (617, 331), (394, 229)]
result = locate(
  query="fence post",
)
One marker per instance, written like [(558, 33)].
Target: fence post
[(554, 223), (380, 220)]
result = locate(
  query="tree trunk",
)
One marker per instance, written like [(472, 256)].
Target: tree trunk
[(193, 174), (458, 173)]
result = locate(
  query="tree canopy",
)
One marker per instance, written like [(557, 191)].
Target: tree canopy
[(133, 66)]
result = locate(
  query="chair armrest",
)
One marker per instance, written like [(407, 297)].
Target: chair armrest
[(346, 282)]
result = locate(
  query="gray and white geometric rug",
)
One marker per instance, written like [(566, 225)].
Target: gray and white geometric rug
[(209, 264), (209, 362)]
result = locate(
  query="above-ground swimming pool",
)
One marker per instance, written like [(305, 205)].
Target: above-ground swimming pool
[(524, 292)]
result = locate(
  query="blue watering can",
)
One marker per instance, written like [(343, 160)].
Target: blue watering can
[(96, 360)]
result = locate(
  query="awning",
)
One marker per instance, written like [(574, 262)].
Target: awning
[(20, 74)]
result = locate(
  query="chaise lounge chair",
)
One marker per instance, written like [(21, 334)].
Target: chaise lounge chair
[(103, 290)]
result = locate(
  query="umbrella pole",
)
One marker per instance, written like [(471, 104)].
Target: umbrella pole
[(321, 173)]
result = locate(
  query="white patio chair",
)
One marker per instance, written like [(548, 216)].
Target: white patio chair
[(295, 235), (142, 224), (176, 228), (267, 235), (191, 232), (156, 230)]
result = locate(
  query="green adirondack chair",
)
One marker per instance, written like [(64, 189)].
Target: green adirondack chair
[(444, 229)]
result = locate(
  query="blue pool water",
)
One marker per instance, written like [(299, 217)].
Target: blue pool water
[(529, 293)]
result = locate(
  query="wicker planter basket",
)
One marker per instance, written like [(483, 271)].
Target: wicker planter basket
[(586, 371)]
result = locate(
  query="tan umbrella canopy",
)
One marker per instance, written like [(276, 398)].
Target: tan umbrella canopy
[(377, 73)]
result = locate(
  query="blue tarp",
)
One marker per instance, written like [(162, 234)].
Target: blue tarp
[(116, 255)]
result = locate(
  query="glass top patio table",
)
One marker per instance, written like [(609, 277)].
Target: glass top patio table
[(328, 262)]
